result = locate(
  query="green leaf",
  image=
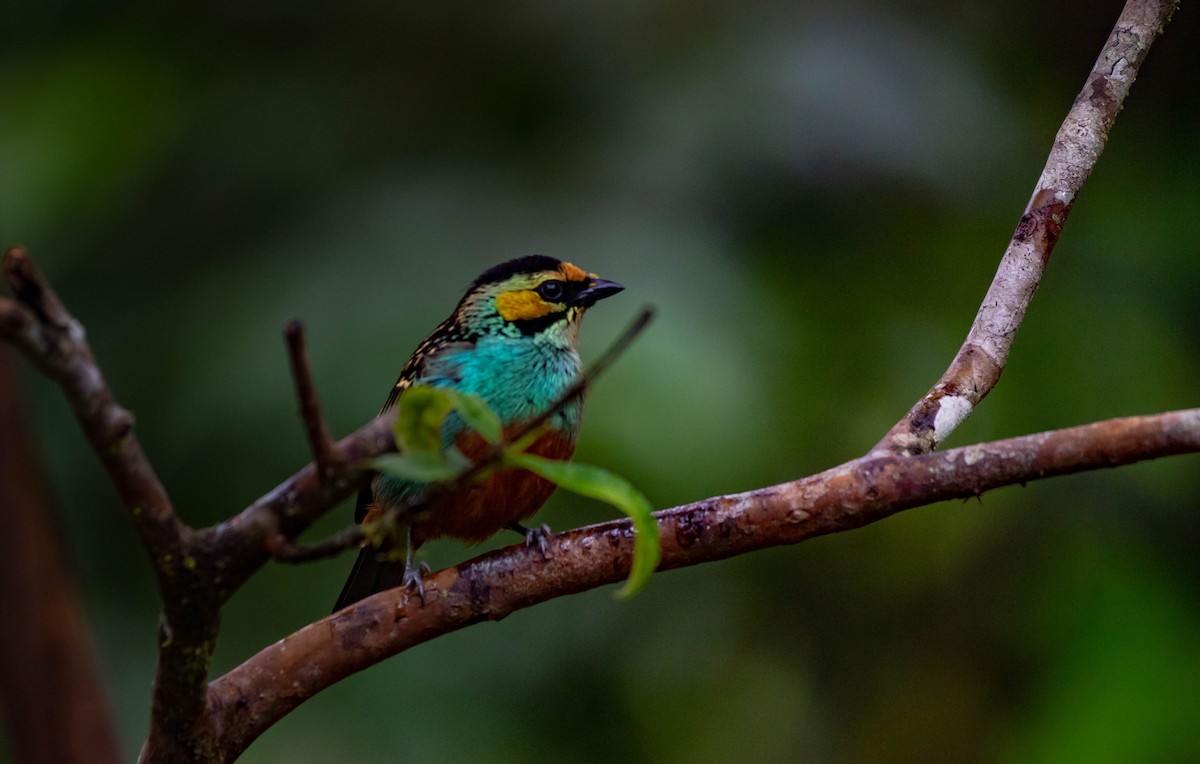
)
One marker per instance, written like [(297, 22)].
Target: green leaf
[(597, 483), (423, 409), (420, 413), (421, 466), (476, 415)]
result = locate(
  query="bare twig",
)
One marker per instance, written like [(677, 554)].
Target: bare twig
[(283, 549), (38, 325), (252, 697), (310, 405), (598, 367), (981, 359), (241, 544), (46, 332)]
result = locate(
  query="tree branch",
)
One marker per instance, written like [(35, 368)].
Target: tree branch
[(310, 404), (255, 695), (196, 571), (981, 359), (40, 326), (283, 549)]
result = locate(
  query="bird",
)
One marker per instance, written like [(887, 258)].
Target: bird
[(512, 341)]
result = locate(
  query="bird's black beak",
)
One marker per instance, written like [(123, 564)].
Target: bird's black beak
[(596, 291)]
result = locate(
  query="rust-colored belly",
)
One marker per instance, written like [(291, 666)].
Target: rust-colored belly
[(474, 512)]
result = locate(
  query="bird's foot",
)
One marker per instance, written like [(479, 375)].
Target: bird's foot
[(539, 536), (413, 578)]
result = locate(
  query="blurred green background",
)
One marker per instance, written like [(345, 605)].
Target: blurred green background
[(815, 197)]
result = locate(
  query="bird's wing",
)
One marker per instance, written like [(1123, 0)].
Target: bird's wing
[(370, 574), (445, 337)]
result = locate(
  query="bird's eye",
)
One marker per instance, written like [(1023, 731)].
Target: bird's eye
[(550, 291)]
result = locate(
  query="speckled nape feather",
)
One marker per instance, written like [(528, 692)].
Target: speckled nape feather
[(448, 332), (512, 342)]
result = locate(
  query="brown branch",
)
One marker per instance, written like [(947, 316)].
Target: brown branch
[(242, 544), (225, 556), (50, 687), (38, 325), (196, 571), (255, 695), (981, 359), (310, 404), (283, 549)]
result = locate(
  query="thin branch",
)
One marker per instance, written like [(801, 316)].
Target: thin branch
[(981, 359), (31, 290), (46, 332), (310, 405), (40, 326), (240, 544), (598, 367), (226, 555), (255, 695), (283, 549)]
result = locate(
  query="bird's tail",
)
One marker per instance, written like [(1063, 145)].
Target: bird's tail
[(370, 574)]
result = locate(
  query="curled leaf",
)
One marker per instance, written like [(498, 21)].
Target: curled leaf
[(598, 483)]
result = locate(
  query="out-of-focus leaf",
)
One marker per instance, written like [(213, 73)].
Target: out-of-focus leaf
[(423, 409), (420, 413), (598, 483), (421, 466), (476, 414)]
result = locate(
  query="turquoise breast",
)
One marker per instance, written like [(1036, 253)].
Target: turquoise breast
[(518, 378)]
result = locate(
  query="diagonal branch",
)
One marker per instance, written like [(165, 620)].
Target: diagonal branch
[(38, 324), (981, 359), (196, 570), (255, 695)]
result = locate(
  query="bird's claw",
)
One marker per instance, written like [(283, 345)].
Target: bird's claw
[(539, 536), (414, 579)]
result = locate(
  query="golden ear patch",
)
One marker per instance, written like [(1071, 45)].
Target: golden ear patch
[(573, 272), (522, 305)]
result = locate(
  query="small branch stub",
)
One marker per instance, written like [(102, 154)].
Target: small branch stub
[(310, 404)]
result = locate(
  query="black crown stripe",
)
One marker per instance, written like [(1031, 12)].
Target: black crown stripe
[(527, 264)]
